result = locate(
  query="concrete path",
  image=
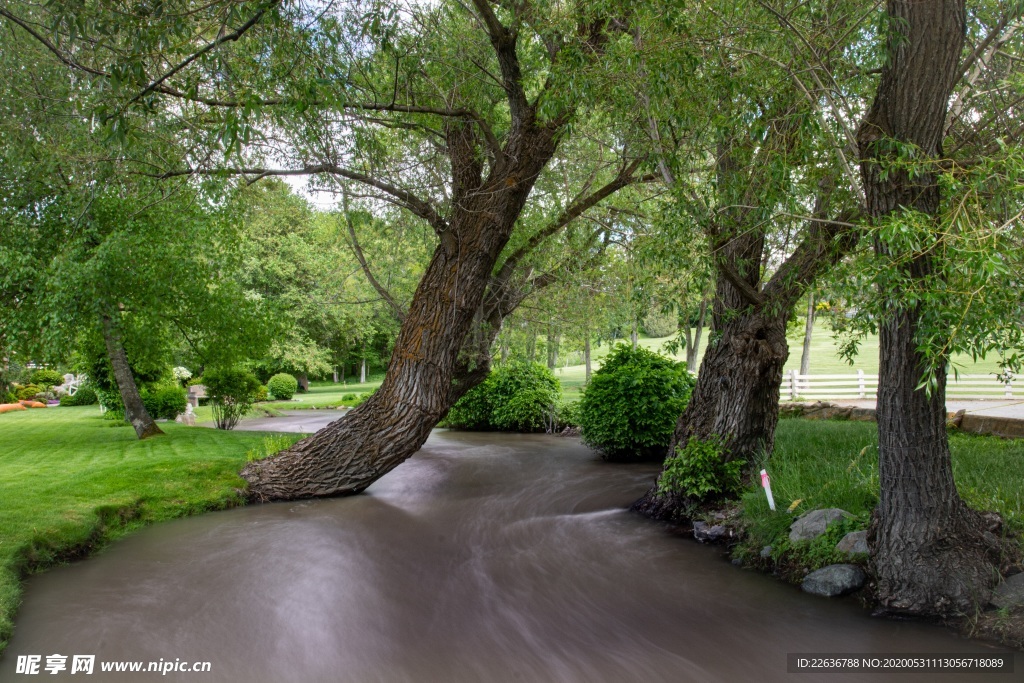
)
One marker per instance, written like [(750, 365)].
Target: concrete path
[(1011, 408), (296, 421), (309, 421)]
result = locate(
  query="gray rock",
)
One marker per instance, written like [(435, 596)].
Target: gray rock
[(854, 543), (814, 523), (834, 580), (706, 533), (1010, 593), (766, 552)]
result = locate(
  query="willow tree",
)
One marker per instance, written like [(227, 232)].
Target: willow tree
[(767, 184), (939, 228), (91, 254), (493, 149), (450, 112)]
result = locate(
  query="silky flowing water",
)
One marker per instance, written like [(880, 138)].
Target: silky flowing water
[(483, 558)]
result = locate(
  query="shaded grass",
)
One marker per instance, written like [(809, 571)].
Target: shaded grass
[(821, 464), (71, 481)]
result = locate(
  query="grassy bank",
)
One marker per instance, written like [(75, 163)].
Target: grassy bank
[(71, 481), (823, 464)]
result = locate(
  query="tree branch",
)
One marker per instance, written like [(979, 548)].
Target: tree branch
[(404, 198), (624, 178), (213, 45), (504, 42), (358, 251)]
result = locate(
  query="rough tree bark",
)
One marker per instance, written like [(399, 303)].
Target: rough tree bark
[(134, 410), (929, 550)]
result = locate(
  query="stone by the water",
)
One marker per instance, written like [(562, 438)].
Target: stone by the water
[(834, 580), (1010, 593), (854, 543), (705, 533), (814, 523)]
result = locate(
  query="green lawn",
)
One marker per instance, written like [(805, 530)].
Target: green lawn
[(71, 481), (824, 358), (822, 464)]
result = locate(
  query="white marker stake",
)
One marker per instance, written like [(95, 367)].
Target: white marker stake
[(766, 483)]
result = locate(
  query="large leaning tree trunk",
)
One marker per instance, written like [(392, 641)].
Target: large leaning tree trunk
[(928, 548), (374, 438), (134, 410)]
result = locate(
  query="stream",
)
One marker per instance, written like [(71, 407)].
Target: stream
[(485, 557)]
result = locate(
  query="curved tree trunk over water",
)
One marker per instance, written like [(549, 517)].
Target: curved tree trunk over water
[(929, 549), (134, 410), (372, 439)]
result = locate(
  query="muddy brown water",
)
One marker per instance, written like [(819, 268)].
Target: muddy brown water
[(484, 558)]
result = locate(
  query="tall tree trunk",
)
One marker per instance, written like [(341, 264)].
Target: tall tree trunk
[(586, 355), (552, 348), (531, 345), (362, 369), (928, 548), (335, 372), (303, 381), (693, 345), (134, 410), (634, 336), (805, 357)]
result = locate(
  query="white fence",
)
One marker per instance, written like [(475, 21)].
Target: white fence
[(862, 385)]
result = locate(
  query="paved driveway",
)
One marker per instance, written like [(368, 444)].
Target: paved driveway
[(299, 421)]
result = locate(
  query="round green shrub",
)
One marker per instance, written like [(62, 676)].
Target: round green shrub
[(28, 392), (262, 394), (232, 392), (568, 414), (164, 402), (658, 323), (85, 396), (282, 386), (630, 407), (517, 397), (47, 378)]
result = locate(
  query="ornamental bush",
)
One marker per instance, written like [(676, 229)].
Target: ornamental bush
[(47, 378), (28, 392), (282, 386), (658, 323), (232, 392), (630, 407), (517, 397), (699, 473), (165, 401), (85, 396)]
